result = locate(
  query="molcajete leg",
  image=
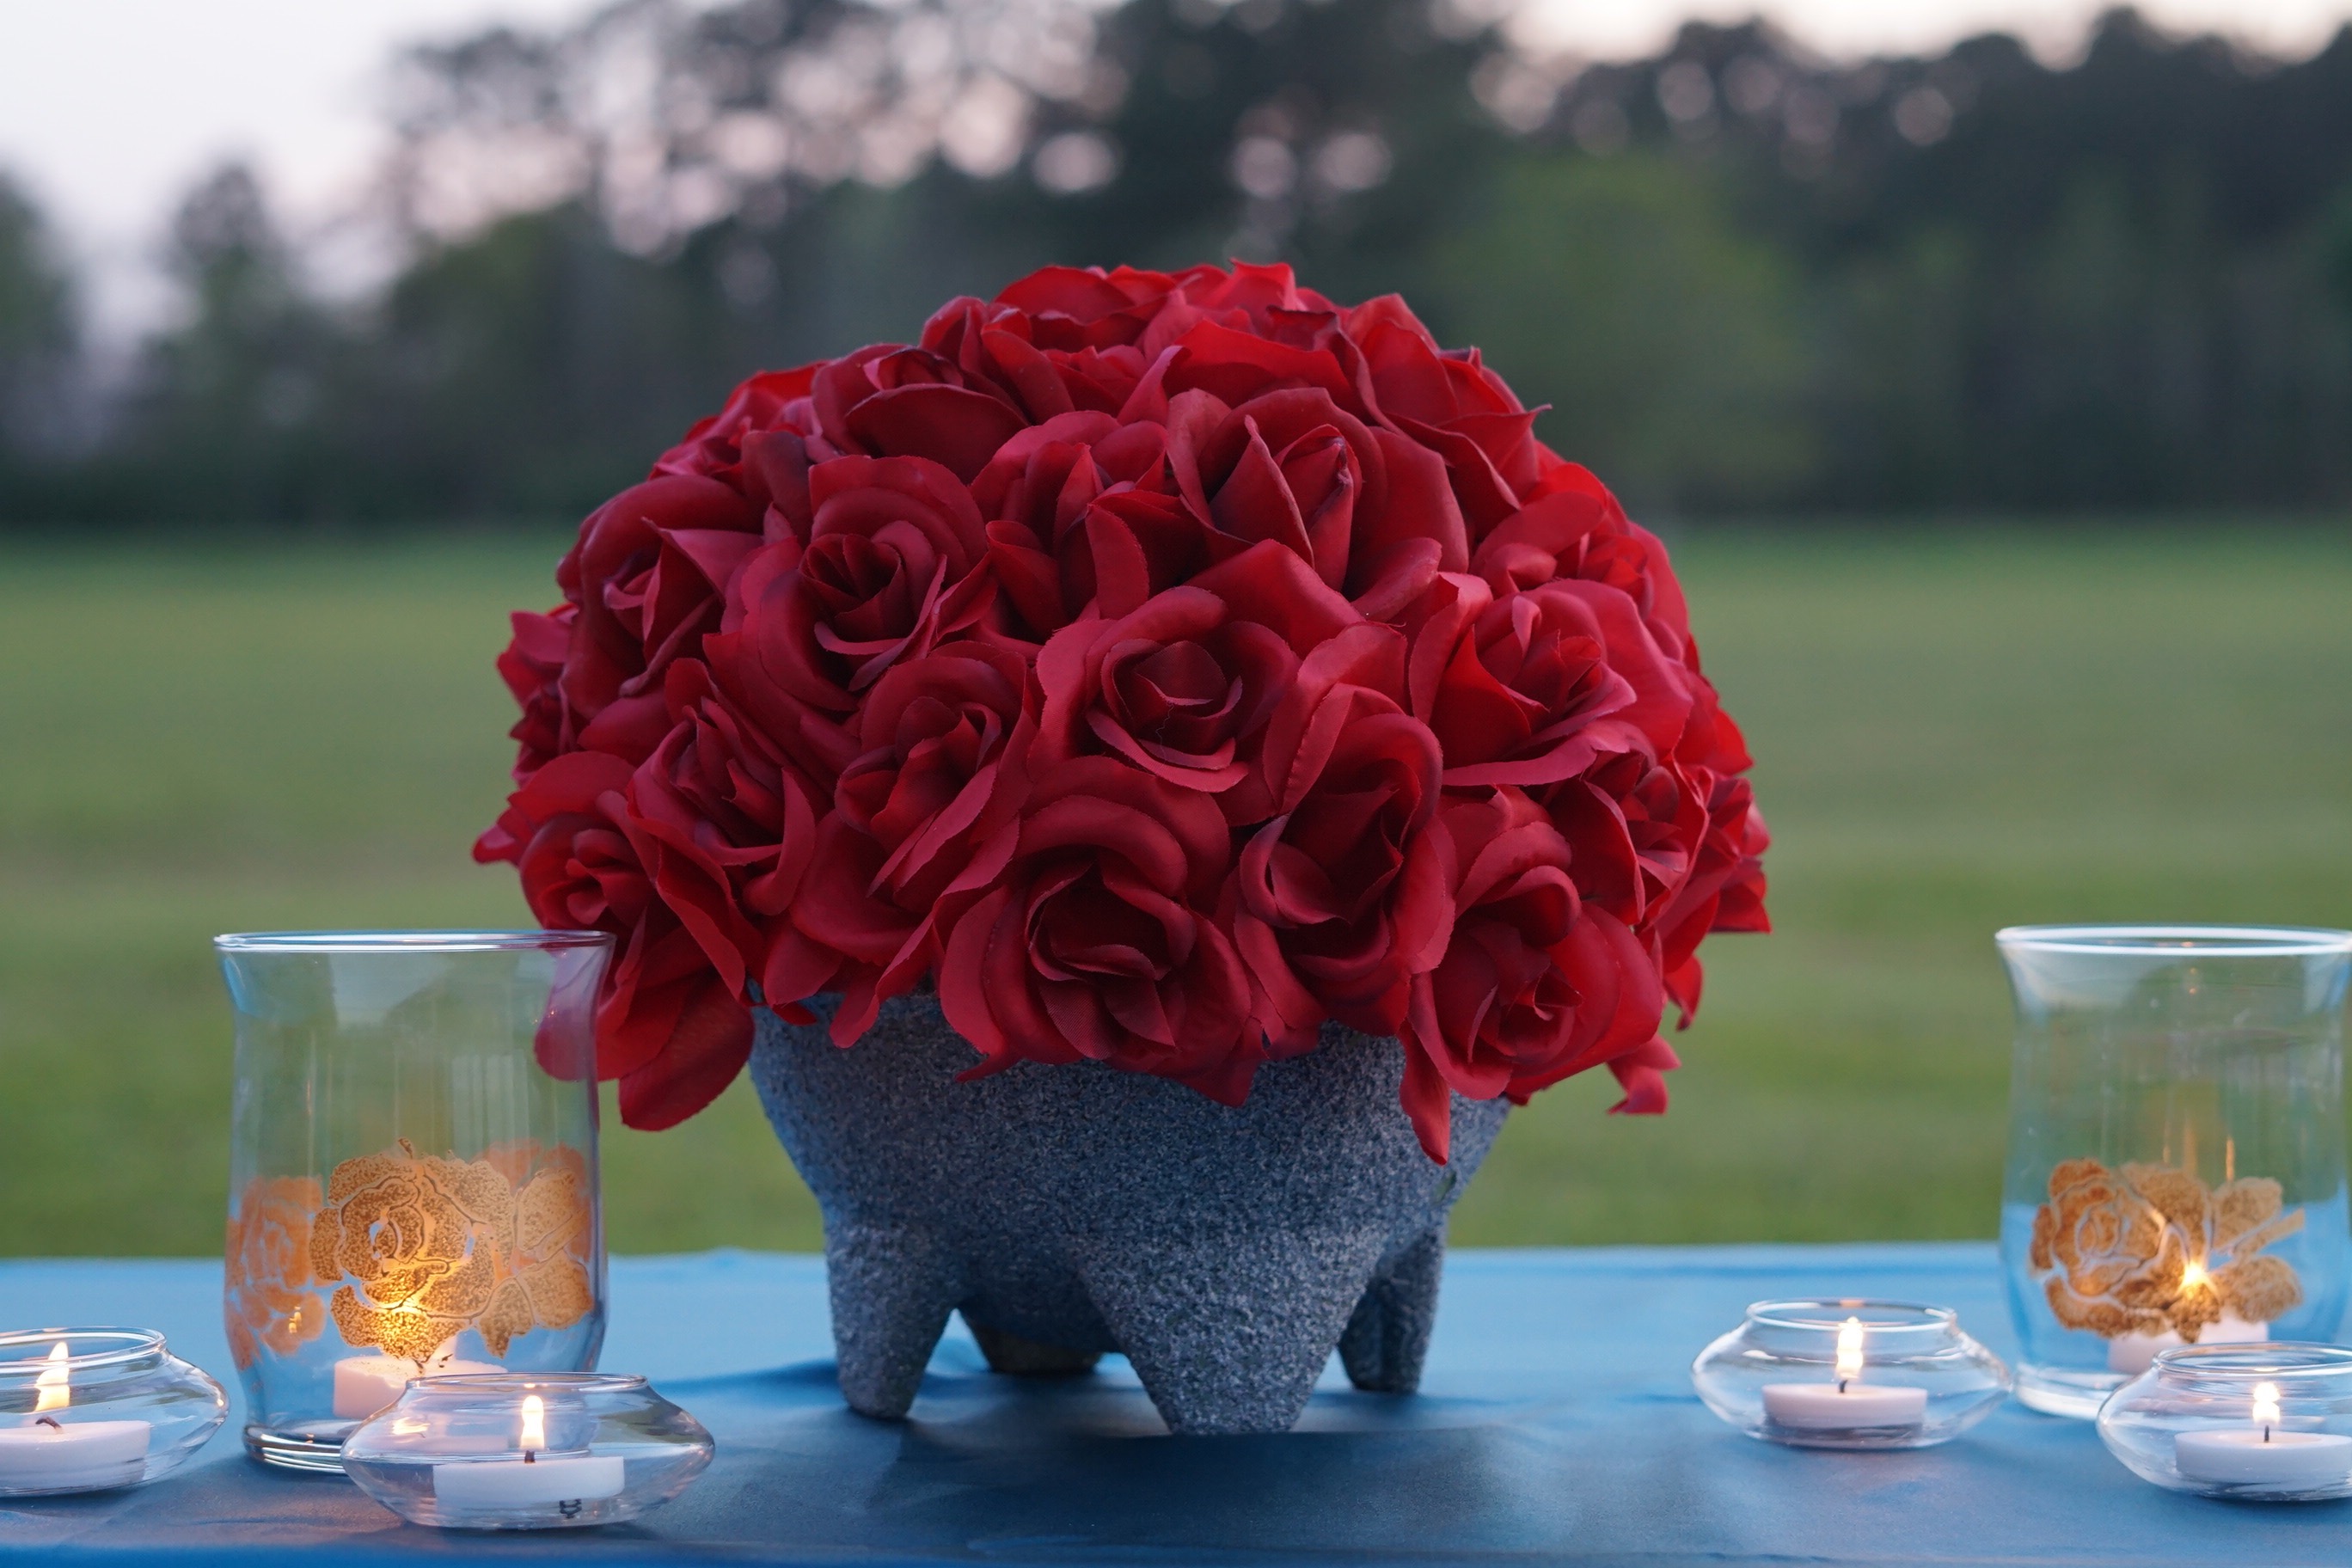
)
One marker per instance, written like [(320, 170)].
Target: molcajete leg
[(1388, 1337), (1228, 1332), (1017, 1357), (892, 1290)]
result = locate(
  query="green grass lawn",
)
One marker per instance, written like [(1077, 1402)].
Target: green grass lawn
[(1954, 732)]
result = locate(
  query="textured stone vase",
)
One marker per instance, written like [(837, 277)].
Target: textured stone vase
[(1068, 1211)]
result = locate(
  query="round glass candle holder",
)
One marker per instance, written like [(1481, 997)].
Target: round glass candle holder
[(2265, 1423), (541, 1451), (1829, 1374), (413, 1170), (85, 1410)]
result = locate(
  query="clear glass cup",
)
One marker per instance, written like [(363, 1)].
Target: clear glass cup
[(1838, 1374), (2176, 1148), (2263, 1422), (509, 1452), (413, 1180), (85, 1410)]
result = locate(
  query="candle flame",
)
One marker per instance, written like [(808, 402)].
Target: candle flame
[(2266, 1405), (51, 1391), (534, 1423), (1849, 1350), (2193, 1277)]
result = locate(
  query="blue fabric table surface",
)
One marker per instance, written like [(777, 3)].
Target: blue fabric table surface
[(1556, 1422)]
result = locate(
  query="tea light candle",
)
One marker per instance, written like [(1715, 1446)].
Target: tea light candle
[(1847, 1403), (2132, 1354), (46, 1454), (2263, 1455), (366, 1384), (562, 1480)]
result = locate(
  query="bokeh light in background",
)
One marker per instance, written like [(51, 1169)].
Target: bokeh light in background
[(298, 89)]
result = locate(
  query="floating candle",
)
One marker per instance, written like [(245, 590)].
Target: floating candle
[(1848, 1402), (2264, 1454), (563, 1481), (51, 1453), (2132, 1354), (366, 1384)]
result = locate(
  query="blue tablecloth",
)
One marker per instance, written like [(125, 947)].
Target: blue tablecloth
[(1556, 1422)]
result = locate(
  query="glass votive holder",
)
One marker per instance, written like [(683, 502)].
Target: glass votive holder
[(85, 1410), (2265, 1423), (526, 1450), (1829, 1373), (413, 1170)]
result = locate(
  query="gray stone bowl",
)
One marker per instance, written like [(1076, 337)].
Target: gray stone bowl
[(1068, 1211)]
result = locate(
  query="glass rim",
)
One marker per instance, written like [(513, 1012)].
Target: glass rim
[(1917, 1316), (2275, 1359), (407, 941), (2171, 940), (133, 1344), (521, 1383)]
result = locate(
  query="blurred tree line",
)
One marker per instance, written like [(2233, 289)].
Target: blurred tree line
[(1743, 278)]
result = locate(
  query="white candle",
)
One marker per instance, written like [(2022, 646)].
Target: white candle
[(2263, 1455), (52, 1453), (2132, 1354), (1847, 1403), (366, 1384), (536, 1480), (520, 1483)]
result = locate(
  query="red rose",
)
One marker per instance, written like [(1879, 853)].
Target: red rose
[(1532, 689), (1634, 827), (531, 666), (1575, 530), (648, 574), (932, 787), (668, 1026), (1261, 301), (1062, 339), (891, 402), (1040, 492), (1368, 508), (1531, 987), (1342, 896), (722, 446), (1674, 850), (1452, 405), (726, 823), (1096, 940), (887, 570), (1724, 889), (1072, 308), (1573, 527), (999, 347), (1182, 687)]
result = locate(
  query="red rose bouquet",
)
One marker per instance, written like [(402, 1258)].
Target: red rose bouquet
[(1158, 665)]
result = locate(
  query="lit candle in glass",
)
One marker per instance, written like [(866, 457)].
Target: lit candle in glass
[(366, 1384), (1847, 1403), (2132, 1354), (50, 1453), (563, 1481), (2264, 1454)]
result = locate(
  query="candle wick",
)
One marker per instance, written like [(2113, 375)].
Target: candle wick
[(530, 1456), (1841, 1385), (50, 1422), (2266, 1432)]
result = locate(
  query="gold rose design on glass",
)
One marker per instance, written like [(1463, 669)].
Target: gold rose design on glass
[(2150, 1249), (268, 1257), (428, 1247)]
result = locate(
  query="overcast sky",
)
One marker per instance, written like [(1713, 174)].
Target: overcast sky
[(109, 108)]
